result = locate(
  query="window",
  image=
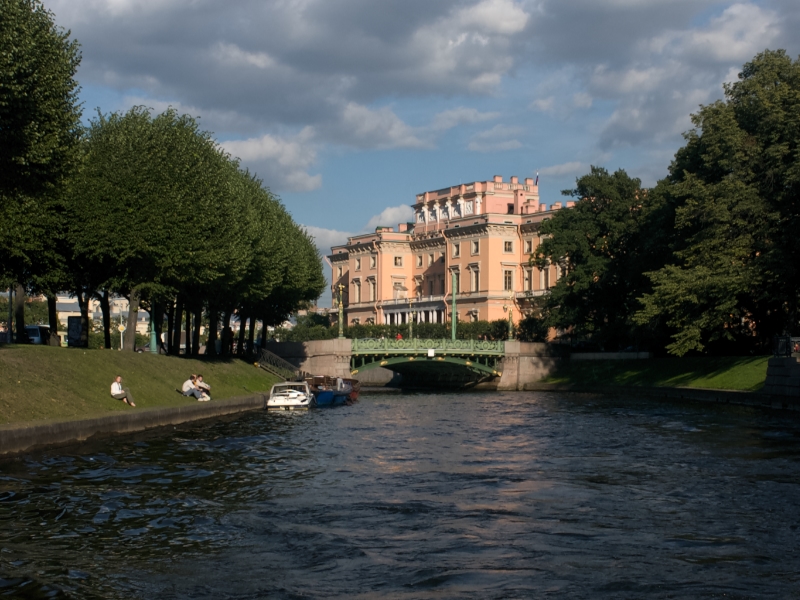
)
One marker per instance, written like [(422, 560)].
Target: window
[(398, 261), (475, 277), (430, 287), (358, 264), (544, 278), (370, 321), (339, 273), (456, 250), (457, 282), (511, 209), (372, 262), (473, 316), (371, 283), (357, 290), (528, 280), (441, 286), (430, 259), (508, 246), (419, 260), (528, 246), (476, 246), (355, 322), (508, 280)]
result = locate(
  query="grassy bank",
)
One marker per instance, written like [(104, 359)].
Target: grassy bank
[(40, 383), (719, 373)]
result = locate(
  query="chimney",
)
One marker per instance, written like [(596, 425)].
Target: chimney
[(528, 181), (514, 179), (402, 227), (498, 179)]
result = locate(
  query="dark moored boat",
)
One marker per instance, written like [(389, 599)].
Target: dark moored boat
[(333, 391)]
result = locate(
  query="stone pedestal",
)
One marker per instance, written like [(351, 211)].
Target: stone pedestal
[(526, 363), (783, 377)]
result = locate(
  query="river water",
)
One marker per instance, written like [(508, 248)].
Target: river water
[(491, 495)]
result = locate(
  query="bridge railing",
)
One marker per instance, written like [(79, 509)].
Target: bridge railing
[(377, 345)]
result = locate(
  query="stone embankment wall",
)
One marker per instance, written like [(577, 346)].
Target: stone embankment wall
[(783, 377), (527, 363), (26, 437), (317, 357)]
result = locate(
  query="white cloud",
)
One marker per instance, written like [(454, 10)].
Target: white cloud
[(324, 239), (462, 115), (495, 139), (363, 127), (390, 217), (544, 105), (232, 55), (569, 168), (582, 100), (282, 162), (494, 16)]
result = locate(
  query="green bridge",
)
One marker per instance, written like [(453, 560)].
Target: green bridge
[(479, 356)]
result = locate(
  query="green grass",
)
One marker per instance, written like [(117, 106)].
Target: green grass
[(719, 373), (40, 383)]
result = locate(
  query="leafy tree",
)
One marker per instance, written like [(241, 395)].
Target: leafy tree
[(39, 112), (602, 247), (734, 278)]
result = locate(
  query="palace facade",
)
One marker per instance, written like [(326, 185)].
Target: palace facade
[(479, 235)]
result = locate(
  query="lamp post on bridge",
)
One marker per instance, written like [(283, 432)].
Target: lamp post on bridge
[(411, 316), (510, 309), (341, 311), (453, 285)]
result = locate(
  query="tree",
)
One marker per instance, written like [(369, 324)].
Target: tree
[(602, 249), (39, 135), (39, 112), (734, 279)]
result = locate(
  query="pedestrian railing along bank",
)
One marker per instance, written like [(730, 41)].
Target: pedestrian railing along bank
[(378, 345), (278, 366)]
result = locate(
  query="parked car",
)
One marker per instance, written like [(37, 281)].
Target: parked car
[(37, 334)]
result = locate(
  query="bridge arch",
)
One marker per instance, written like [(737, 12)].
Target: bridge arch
[(389, 361)]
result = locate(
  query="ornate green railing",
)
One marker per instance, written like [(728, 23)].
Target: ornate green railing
[(389, 346), (480, 356)]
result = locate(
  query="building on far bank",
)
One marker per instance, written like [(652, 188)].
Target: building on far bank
[(483, 232)]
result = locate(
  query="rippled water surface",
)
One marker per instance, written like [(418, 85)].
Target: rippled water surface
[(505, 495)]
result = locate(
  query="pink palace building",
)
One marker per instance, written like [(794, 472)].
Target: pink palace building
[(483, 232)]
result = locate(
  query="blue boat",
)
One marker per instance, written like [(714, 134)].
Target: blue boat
[(329, 391)]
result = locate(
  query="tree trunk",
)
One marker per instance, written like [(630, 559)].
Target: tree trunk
[(227, 334), (251, 338), (198, 323), (170, 324), (83, 305), (188, 331), (176, 331), (105, 306), (211, 344), (52, 314), (157, 322), (242, 333), (263, 331), (19, 314), (133, 319)]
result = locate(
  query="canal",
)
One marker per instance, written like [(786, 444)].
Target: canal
[(491, 495)]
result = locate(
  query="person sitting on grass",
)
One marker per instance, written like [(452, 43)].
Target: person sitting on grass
[(120, 393), (202, 385), (190, 389)]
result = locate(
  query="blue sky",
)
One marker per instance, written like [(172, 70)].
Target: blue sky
[(347, 109)]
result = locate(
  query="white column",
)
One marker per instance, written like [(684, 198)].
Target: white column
[(478, 202)]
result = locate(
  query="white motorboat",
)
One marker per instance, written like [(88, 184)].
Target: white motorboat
[(290, 395)]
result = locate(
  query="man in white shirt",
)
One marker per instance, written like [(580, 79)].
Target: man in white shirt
[(120, 393), (190, 389)]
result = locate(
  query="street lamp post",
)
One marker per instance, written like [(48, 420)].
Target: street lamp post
[(453, 285), (509, 308), (341, 310), (411, 316), (153, 340)]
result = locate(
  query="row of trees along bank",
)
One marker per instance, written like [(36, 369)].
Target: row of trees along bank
[(146, 206), (709, 259)]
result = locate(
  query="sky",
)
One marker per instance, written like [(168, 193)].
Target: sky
[(347, 109)]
